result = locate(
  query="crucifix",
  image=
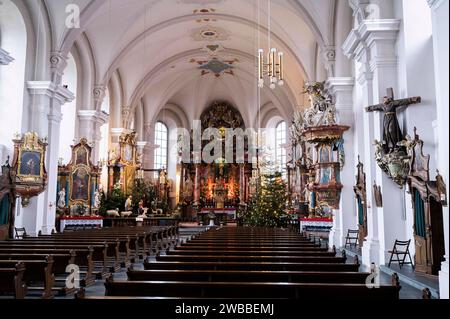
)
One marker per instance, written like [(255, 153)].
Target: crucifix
[(392, 134)]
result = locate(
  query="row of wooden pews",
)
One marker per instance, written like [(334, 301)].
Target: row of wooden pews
[(246, 263), (40, 266)]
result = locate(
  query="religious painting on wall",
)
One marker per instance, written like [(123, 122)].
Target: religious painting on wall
[(82, 156), (80, 185), (29, 171), (30, 163)]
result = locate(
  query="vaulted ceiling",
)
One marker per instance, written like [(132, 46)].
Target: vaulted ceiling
[(155, 48)]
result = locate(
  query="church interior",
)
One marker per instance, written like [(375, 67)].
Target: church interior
[(224, 149)]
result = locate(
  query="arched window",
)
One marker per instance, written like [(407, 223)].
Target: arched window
[(162, 142), (280, 142)]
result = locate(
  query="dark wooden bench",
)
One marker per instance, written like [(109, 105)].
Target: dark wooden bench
[(275, 290), (247, 276), (253, 253), (248, 266), (84, 257), (11, 280), (38, 274), (224, 258)]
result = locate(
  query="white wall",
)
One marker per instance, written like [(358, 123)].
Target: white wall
[(69, 112), (13, 40), (416, 78)]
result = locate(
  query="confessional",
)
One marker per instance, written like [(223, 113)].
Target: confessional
[(7, 203), (428, 200)]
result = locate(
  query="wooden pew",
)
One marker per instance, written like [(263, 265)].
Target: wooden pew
[(247, 276), (84, 256), (245, 259), (253, 253), (11, 280), (248, 266), (188, 289), (38, 274)]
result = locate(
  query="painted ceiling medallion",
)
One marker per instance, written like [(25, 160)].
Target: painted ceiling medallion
[(215, 66), (209, 33), (203, 12), (213, 49)]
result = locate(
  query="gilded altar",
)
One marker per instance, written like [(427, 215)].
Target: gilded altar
[(78, 182), (123, 163)]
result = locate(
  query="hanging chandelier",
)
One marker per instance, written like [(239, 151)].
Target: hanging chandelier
[(270, 66)]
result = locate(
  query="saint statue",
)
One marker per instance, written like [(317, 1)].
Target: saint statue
[(62, 198), (392, 134), (129, 204), (97, 198), (188, 188)]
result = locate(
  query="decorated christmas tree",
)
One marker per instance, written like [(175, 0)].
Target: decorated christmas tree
[(268, 205)]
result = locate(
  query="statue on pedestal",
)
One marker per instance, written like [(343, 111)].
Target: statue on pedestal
[(62, 199), (129, 204)]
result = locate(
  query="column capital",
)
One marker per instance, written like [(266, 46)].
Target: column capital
[(50, 89), (99, 117), (329, 58), (5, 57), (58, 63), (335, 84), (368, 33), (98, 94)]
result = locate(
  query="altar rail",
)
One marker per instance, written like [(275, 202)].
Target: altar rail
[(133, 222)]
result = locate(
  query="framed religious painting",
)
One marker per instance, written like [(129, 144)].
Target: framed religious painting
[(80, 185), (30, 176)]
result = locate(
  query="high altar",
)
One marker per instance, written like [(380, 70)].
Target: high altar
[(218, 187)]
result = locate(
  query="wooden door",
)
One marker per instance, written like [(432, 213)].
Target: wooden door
[(437, 236), (362, 220), (421, 241)]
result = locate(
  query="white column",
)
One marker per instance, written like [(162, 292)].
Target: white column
[(47, 99), (439, 11), (373, 46), (344, 219), (5, 57), (90, 124)]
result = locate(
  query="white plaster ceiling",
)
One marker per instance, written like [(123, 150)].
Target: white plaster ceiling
[(151, 43)]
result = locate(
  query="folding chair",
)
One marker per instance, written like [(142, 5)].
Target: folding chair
[(352, 238), (401, 254), (20, 233)]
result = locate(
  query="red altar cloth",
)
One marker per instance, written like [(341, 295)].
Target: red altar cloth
[(81, 218), (325, 220)]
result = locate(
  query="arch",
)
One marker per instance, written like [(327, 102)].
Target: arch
[(13, 37)]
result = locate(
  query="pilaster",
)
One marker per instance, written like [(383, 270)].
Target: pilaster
[(48, 98), (342, 89)]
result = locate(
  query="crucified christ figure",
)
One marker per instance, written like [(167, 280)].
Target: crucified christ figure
[(392, 134)]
